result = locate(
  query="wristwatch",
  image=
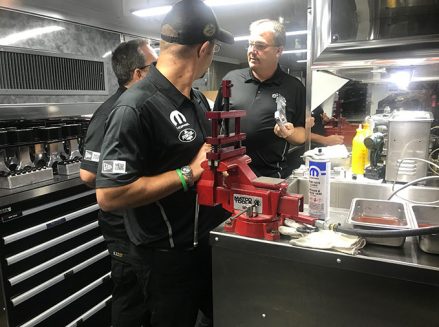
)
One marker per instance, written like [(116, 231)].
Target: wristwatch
[(188, 175)]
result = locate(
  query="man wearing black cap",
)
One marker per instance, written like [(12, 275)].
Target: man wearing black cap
[(150, 160)]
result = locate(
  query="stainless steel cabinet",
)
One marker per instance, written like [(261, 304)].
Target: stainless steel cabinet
[(259, 283)]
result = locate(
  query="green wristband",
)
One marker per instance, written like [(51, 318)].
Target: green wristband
[(183, 181)]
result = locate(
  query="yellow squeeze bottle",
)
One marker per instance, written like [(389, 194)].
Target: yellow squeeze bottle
[(359, 151), (366, 133)]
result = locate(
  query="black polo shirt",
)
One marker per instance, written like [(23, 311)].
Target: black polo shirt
[(154, 129), (95, 133), (267, 151), (112, 225)]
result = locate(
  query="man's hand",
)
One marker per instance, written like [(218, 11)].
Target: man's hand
[(327, 140), (309, 122), (334, 139), (198, 159), (284, 131)]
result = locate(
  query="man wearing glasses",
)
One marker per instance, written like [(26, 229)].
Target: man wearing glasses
[(260, 90), (130, 62), (151, 155)]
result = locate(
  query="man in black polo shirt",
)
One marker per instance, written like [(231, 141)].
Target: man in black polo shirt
[(151, 156), (256, 90), (130, 62)]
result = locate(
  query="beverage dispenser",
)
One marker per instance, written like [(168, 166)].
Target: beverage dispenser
[(17, 168)]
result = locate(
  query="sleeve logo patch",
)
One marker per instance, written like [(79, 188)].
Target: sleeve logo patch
[(91, 156), (114, 167)]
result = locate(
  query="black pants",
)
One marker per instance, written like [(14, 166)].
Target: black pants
[(128, 305), (177, 284)]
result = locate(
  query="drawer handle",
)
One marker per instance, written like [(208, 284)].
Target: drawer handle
[(47, 225), (46, 314), (78, 321), (46, 245), (55, 203), (50, 263), (49, 283)]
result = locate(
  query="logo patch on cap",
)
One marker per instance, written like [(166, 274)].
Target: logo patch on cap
[(209, 30)]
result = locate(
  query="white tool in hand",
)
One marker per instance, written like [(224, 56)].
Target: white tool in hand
[(279, 114)]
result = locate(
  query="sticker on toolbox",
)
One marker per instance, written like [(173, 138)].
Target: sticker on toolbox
[(6, 214)]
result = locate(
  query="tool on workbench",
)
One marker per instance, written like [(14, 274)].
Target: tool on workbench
[(258, 204)]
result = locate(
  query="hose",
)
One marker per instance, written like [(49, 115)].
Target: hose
[(411, 183), (417, 159), (386, 233), (436, 161)]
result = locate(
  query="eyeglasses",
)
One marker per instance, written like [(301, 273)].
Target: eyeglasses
[(259, 46), (216, 48), (145, 67)]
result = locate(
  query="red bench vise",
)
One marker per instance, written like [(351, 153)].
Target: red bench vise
[(258, 205)]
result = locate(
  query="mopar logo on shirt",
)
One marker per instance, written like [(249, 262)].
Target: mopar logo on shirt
[(242, 201), (187, 135), (178, 119)]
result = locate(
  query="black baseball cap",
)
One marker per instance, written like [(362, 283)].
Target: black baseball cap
[(192, 22)]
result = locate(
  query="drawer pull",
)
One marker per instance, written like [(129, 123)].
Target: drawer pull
[(47, 225), (46, 314), (56, 222), (80, 320), (55, 203), (46, 245), (49, 283), (68, 273), (50, 263)]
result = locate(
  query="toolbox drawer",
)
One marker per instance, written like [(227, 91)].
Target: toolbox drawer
[(55, 267)]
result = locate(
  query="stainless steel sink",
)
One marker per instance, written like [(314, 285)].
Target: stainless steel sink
[(342, 192)]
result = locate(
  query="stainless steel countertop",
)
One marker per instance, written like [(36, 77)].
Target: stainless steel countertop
[(407, 262)]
